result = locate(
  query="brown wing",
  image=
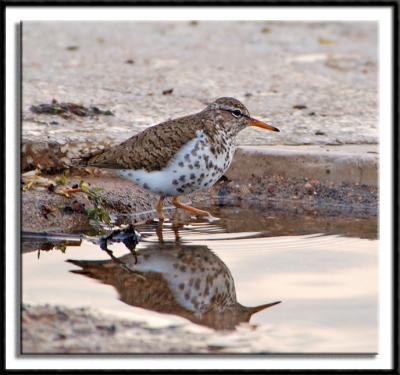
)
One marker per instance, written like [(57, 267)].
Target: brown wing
[(151, 149)]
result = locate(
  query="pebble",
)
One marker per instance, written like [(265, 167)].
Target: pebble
[(309, 188)]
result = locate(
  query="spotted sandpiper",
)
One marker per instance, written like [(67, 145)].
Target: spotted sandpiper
[(182, 155)]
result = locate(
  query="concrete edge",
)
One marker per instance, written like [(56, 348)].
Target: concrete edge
[(322, 164), (352, 164)]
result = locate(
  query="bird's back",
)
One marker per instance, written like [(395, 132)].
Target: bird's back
[(151, 149)]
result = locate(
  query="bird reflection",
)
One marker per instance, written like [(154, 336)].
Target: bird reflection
[(175, 278)]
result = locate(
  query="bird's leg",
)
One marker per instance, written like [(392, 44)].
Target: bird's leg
[(159, 208), (196, 211), (159, 230), (175, 228)]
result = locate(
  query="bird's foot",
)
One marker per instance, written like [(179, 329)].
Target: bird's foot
[(211, 218), (196, 211)]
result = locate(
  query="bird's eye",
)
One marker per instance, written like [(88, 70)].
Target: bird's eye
[(237, 113)]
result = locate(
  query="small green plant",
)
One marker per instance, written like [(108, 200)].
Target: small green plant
[(60, 180), (98, 213)]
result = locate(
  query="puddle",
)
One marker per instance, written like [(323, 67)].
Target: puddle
[(227, 275)]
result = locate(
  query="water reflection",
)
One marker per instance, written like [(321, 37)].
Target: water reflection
[(32, 241), (175, 278), (328, 282)]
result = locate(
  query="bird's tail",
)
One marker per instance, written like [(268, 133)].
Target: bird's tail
[(87, 159)]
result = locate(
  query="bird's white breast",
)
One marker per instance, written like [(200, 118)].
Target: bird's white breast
[(193, 168)]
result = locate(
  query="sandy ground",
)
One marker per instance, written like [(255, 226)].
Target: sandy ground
[(317, 82)]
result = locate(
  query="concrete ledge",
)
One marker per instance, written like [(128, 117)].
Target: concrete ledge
[(352, 164), (355, 164)]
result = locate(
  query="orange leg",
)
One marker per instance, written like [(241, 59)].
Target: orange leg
[(159, 208), (196, 211), (159, 231)]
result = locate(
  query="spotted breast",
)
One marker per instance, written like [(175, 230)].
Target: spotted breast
[(196, 166)]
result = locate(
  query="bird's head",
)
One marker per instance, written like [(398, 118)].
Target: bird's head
[(239, 116)]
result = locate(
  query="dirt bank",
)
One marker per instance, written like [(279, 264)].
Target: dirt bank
[(123, 199), (57, 329)]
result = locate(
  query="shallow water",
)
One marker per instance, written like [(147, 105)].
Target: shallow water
[(324, 272)]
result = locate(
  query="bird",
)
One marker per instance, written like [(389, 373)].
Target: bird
[(186, 280), (182, 155)]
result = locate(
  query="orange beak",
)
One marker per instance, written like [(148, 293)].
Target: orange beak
[(260, 124)]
